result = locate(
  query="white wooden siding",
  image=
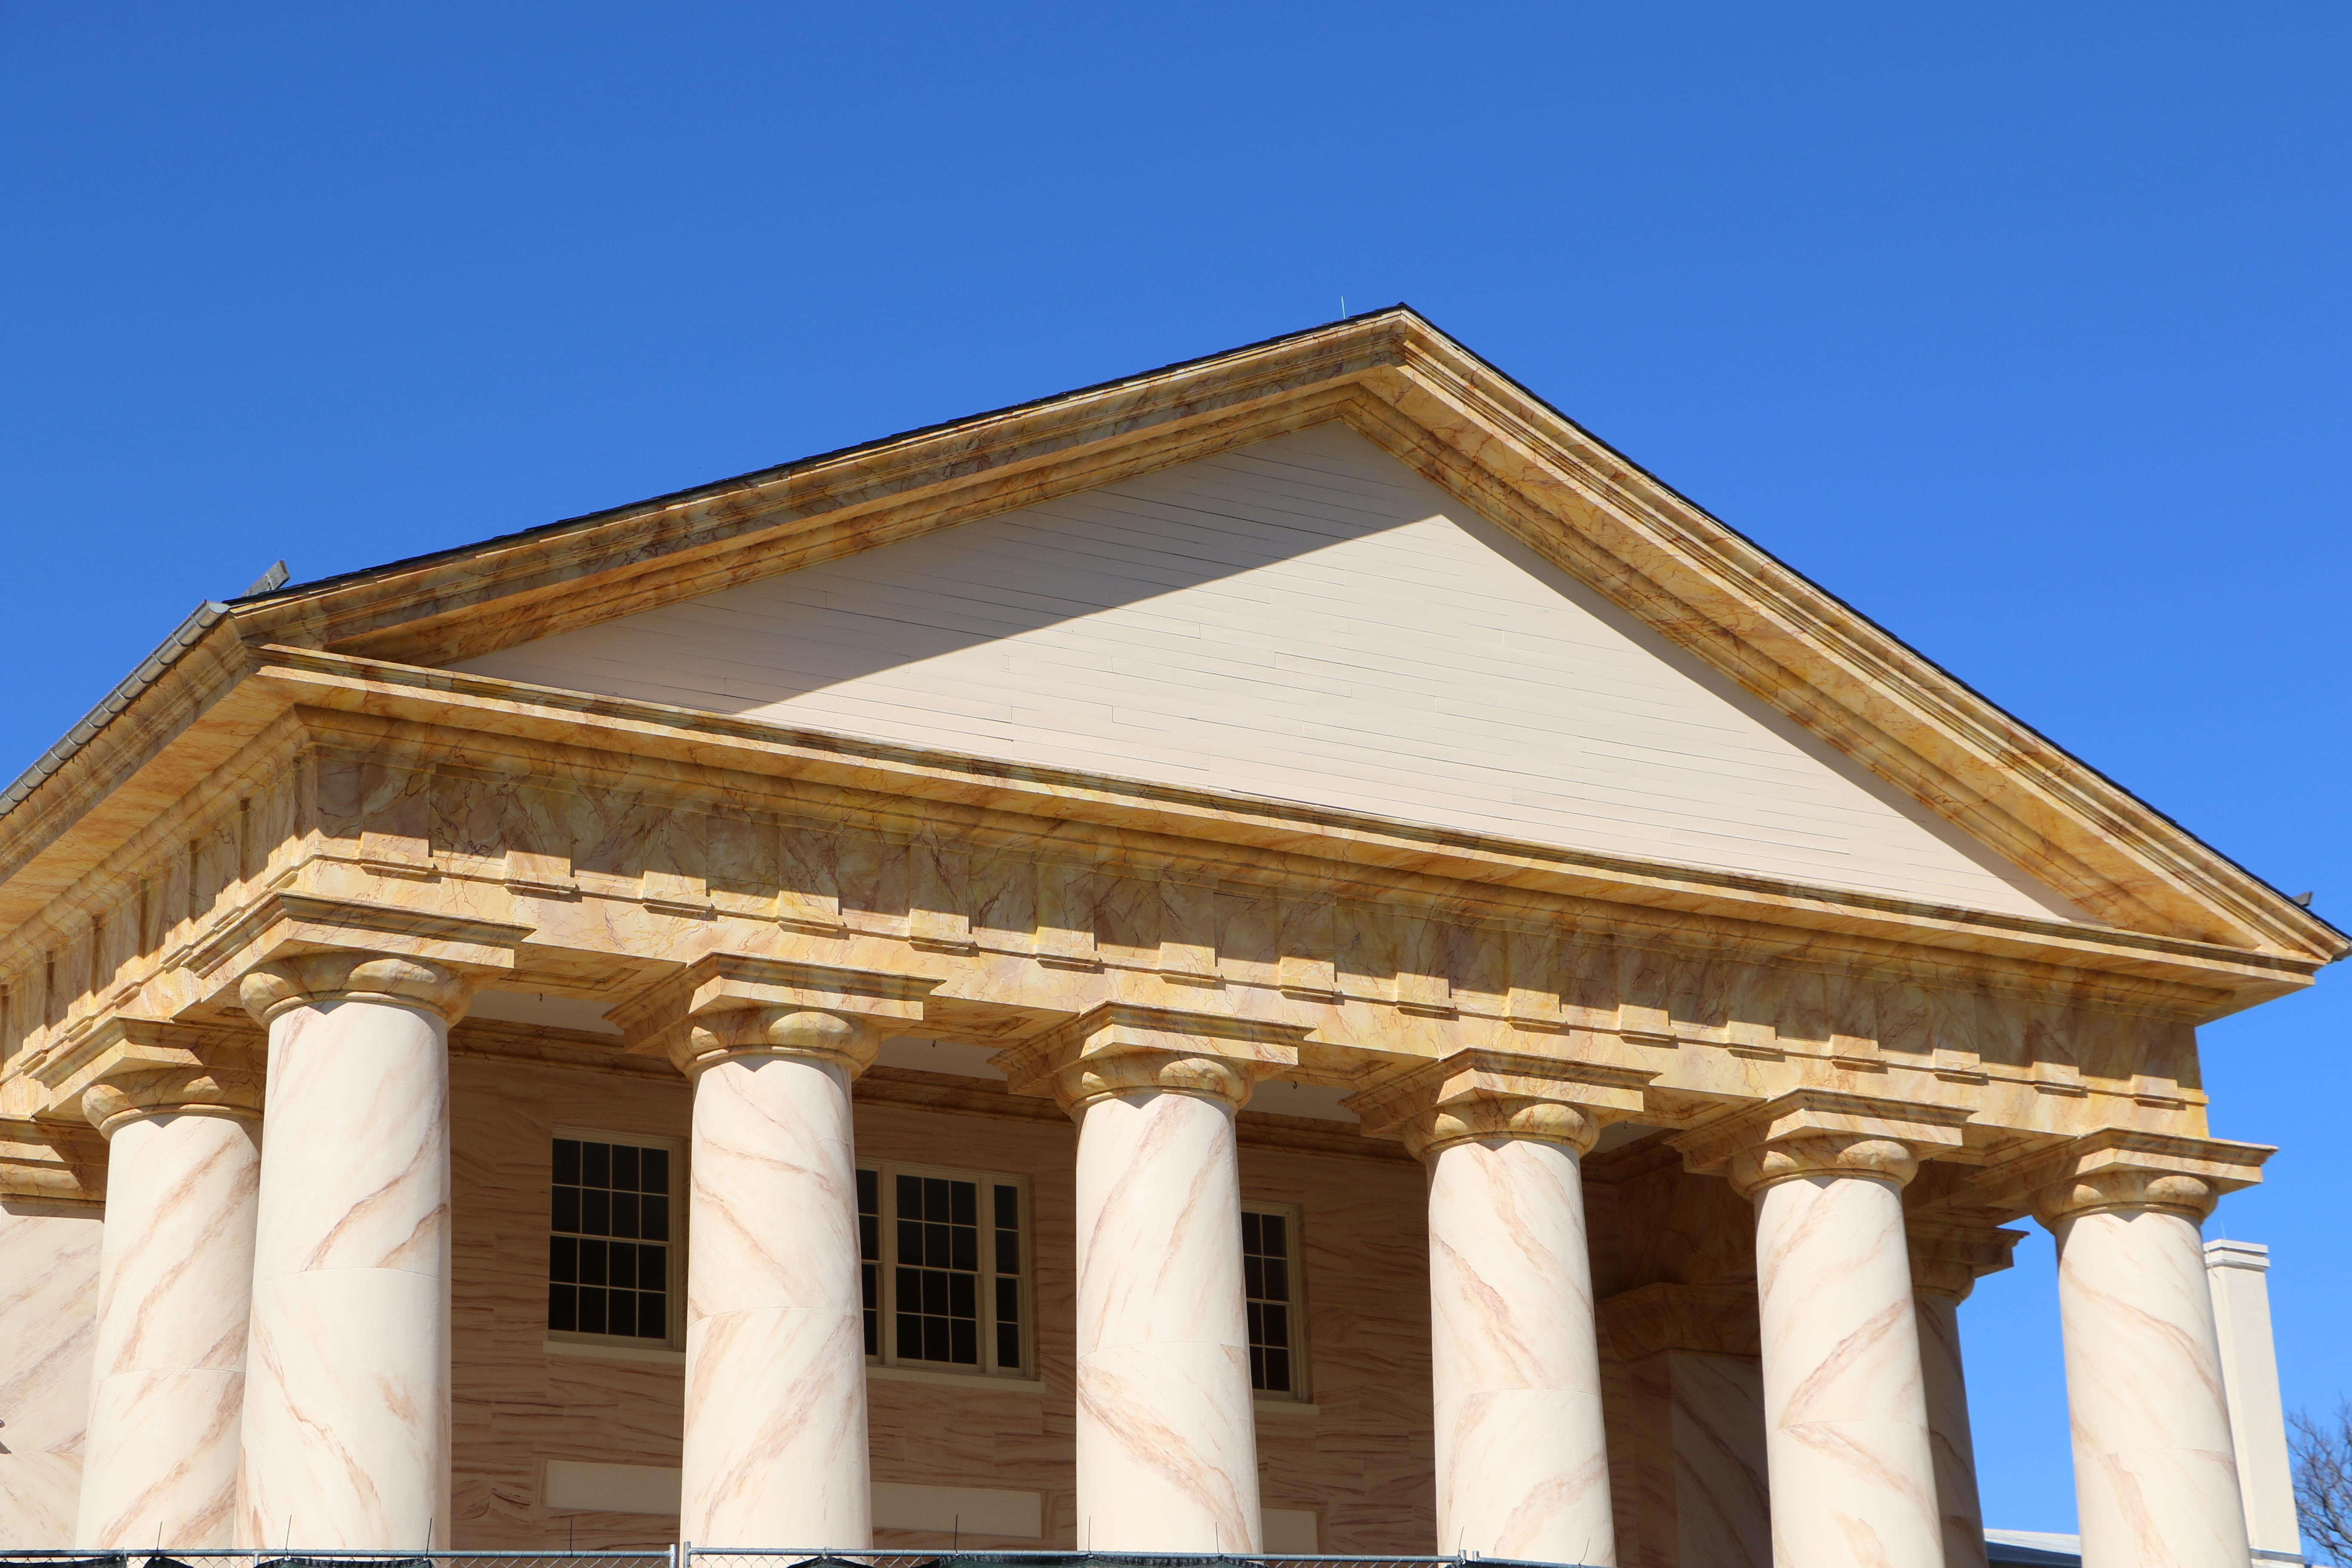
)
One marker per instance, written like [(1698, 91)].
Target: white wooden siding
[(1306, 619)]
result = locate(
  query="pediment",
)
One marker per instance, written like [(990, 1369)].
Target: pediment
[(1356, 566), (1302, 619)]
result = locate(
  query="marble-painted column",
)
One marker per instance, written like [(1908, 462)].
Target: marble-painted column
[(346, 1432), (175, 1286), (1946, 1256), (1522, 1457), (775, 1344), (1852, 1468), (1167, 1435), (2156, 1477)]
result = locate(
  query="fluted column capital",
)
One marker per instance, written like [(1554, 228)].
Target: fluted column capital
[(729, 1006), (1819, 1133), (1476, 1095), (1949, 1253), (270, 990), (207, 1088), (122, 1066), (1120, 1049), (2118, 1169)]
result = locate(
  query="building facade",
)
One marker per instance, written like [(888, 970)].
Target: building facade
[(1285, 954)]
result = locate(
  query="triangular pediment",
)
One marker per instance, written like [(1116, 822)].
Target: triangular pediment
[(1304, 619), (1356, 567)]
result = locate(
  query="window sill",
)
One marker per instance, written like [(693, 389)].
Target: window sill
[(1286, 1406), (653, 1355), (952, 1379), (656, 1355)]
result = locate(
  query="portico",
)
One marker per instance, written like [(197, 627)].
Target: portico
[(1625, 1220)]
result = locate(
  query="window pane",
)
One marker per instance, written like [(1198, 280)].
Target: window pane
[(1008, 1208), (1266, 1282), (615, 1194)]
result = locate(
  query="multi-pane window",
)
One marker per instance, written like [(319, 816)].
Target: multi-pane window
[(608, 1265), (1270, 1290), (940, 1257)]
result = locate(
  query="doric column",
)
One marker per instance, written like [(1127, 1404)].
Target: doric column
[(175, 1286), (775, 1446), (2156, 1477), (1522, 1458), (1853, 1471), (1167, 1437), (1946, 1256), (346, 1431)]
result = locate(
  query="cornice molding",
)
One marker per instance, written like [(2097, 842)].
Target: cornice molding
[(1390, 375)]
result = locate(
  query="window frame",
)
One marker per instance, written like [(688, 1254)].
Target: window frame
[(673, 1272), (1301, 1389), (886, 1295)]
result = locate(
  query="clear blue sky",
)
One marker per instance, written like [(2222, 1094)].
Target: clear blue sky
[(2022, 328)]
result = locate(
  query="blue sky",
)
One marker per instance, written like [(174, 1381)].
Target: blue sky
[(2021, 328)]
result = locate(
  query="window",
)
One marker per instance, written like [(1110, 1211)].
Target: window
[(940, 1259), (1270, 1290), (609, 1255)]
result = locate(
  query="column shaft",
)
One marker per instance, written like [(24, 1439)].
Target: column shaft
[(1948, 1435), (176, 1283), (2155, 1479), (346, 1432), (775, 1345), (1167, 1440), (1853, 1476), (1522, 1460)]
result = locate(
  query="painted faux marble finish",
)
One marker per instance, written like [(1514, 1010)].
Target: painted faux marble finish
[(2156, 1472), (593, 876), (1957, 1506), (1167, 1456), (775, 1361), (346, 1430), (1522, 1460), (1853, 1473), (176, 1276), (49, 1309)]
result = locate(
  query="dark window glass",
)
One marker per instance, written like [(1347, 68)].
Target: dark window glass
[(1007, 1205), (1265, 1284), (869, 1254), (937, 1275), (608, 1259)]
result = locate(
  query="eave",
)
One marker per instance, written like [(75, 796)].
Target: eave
[(1395, 379)]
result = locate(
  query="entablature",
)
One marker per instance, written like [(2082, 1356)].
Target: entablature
[(580, 869)]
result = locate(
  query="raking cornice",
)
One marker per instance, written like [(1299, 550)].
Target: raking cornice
[(1395, 379)]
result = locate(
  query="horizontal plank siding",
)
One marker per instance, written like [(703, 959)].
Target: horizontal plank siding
[(1304, 619)]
